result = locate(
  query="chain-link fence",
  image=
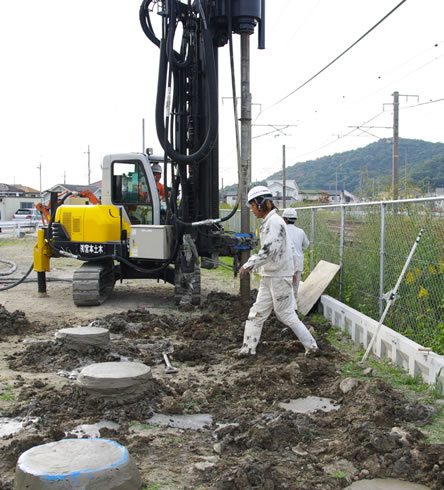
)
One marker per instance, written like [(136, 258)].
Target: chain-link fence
[(371, 242)]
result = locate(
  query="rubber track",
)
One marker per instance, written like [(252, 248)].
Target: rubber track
[(93, 283)]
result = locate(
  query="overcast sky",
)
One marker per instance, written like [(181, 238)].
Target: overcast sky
[(83, 73)]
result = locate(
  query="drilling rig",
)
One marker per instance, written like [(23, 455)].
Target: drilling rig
[(132, 233)]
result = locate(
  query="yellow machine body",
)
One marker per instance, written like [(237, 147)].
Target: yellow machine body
[(94, 223)]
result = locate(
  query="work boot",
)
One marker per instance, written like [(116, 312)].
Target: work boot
[(246, 351), (312, 352)]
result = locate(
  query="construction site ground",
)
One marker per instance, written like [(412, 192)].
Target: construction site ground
[(227, 426)]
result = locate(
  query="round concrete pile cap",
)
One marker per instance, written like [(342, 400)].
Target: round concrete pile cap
[(87, 464), (84, 336), (114, 378)]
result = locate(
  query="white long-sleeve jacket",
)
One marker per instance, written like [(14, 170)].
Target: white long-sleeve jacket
[(275, 258), (300, 243)]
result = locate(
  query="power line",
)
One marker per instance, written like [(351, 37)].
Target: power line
[(423, 103), (341, 137), (339, 56)]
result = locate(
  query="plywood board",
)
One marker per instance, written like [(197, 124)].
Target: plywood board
[(315, 284)]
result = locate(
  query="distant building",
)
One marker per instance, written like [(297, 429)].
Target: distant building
[(230, 197), (13, 197), (95, 188), (332, 197), (277, 190)]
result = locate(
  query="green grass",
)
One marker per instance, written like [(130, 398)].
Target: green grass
[(224, 271), (7, 394), (11, 241), (435, 430)]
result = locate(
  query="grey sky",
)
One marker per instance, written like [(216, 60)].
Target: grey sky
[(84, 73)]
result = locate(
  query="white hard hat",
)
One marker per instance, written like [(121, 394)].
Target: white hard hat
[(258, 191), (290, 213), (156, 168)]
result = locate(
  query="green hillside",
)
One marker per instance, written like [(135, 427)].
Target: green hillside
[(421, 165)]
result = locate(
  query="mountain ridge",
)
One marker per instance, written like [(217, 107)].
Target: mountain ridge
[(421, 166)]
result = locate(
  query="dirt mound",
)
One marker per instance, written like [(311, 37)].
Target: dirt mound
[(14, 323), (253, 442)]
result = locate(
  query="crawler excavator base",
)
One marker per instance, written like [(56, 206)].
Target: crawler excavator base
[(93, 283)]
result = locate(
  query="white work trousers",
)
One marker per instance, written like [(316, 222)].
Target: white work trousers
[(275, 293), (298, 275)]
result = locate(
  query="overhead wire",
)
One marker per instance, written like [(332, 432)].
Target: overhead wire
[(335, 59)]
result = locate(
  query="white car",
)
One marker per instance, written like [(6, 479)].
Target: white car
[(28, 215)]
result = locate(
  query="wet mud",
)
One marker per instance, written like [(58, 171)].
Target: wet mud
[(252, 442)]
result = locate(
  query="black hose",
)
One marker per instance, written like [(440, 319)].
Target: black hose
[(145, 22), (211, 134), (19, 281)]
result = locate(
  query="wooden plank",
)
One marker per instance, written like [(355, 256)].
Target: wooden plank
[(315, 284)]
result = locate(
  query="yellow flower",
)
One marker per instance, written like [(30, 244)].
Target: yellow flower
[(422, 292), (432, 269), (410, 277)]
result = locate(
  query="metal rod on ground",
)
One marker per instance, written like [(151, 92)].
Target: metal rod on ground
[(169, 369), (392, 296)]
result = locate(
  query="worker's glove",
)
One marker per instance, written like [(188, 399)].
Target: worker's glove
[(244, 272)]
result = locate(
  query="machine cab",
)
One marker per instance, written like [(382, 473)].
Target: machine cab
[(128, 183)]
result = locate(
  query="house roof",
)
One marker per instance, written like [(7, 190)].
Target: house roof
[(290, 184), (17, 189), (75, 187)]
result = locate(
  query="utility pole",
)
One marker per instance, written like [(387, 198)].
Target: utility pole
[(395, 154), (143, 135), (39, 166), (245, 173), (395, 143), (284, 179), (89, 164)]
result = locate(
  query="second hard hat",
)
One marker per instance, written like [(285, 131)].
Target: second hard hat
[(156, 168), (290, 213)]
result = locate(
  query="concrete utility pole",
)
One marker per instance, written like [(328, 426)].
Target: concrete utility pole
[(89, 164), (245, 177), (395, 155), (39, 166), (284, 179), (143, 135)]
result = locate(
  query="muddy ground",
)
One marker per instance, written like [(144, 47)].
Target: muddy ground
[(249, 440)]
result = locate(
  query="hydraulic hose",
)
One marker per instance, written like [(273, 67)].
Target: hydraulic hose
[(145, 22), (12, 266), (161, 126), (10, 286)]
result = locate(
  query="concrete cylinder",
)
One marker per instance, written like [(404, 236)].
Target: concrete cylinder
[(114, 379), (80, 338), (83, 464)]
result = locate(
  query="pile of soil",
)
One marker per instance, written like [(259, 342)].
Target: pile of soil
[(252, 442), (14, 323)]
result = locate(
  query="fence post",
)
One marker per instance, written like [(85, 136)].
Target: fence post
[(312, 237), (341, 250), (381, 260)]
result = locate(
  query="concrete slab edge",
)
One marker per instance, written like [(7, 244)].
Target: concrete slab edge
[(400, 350)]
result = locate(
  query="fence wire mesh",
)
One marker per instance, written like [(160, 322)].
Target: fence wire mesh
[(371, 242)]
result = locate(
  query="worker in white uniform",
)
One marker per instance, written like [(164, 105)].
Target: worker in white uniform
[(276, 267), (300, 242)]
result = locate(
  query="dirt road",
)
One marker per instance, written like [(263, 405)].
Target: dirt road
[(249, 438)]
